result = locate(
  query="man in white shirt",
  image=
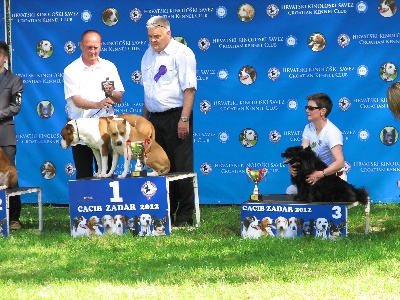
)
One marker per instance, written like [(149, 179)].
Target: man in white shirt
[(170, 82), (91, 86)]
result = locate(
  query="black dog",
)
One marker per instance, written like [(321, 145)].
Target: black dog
[(389, 137), (307, 228), (330, 188), (132, 225)]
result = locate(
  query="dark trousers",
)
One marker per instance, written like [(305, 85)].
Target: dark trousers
[(84, 160), (180, 154), (14, 201)]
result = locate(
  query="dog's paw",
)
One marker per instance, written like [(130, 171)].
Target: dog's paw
[(152, 173), (3, 187)]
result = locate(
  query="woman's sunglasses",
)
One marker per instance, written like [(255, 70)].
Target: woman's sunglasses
[(311, 108)]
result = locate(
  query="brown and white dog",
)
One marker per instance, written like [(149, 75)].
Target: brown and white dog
[(317, 42), (266, 226), (120, 131), (8, 173), (110, 16), (119, 224), (93, 132), (94, 224)]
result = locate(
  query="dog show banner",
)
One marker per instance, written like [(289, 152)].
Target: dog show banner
[(256, 63), (291, 220), (117, 206)]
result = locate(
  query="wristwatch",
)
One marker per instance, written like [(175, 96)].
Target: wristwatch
[(184, 119)]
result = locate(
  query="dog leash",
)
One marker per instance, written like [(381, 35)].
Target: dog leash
[(95, 113), (77, 130)]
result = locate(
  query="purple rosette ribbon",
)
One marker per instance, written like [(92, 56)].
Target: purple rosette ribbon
[(161, 71)]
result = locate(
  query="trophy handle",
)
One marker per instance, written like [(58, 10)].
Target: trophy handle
[(263, 173), (147, 146), (248, 170)]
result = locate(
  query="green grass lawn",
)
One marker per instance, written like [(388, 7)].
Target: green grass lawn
[(210, 262)]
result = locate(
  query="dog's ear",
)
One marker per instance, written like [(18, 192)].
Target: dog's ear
[(341, 225), (109, 119), (70, 128)]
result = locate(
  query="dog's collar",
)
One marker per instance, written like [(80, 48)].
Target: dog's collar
[(77, 130)]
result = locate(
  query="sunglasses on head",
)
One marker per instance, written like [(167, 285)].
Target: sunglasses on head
[(311, 108)]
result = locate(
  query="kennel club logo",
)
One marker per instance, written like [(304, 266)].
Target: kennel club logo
[(204, 44), (136, 76), (86, 16), (221, 12), (363, 134), (344, 103), (273, 73), (135, 14), (343, 40), (362, 71), (291, 41), (292, 104), (205, 106), (69, 47), (148, 189), (292, 221), (206, 168), (275, 136), (272, 10)]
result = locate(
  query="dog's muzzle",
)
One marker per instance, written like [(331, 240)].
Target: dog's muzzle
[(119, 143)]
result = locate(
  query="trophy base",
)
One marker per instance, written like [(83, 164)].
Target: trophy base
[(256, 198), (142, 173)]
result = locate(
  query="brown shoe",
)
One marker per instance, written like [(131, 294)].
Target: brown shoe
[(15, 225)]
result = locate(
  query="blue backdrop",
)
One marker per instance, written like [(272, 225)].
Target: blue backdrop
[(256, 63)]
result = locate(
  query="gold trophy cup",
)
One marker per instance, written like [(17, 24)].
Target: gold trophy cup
[(138, 150), (256, 176)]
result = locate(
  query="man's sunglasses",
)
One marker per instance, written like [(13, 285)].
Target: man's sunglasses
[(311, 108)]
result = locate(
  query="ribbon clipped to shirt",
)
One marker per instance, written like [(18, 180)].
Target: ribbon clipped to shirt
[(161, 71)]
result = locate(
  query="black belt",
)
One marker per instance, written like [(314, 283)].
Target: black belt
[(166, 111)]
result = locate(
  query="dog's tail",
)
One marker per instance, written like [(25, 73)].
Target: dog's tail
[(362, 195)]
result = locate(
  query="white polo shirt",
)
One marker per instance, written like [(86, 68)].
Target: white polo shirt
[(321, 144), (163, 90), (85, 81)]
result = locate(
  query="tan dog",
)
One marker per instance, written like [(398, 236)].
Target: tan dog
[(8, 173), (120, 131), (140, 123)]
